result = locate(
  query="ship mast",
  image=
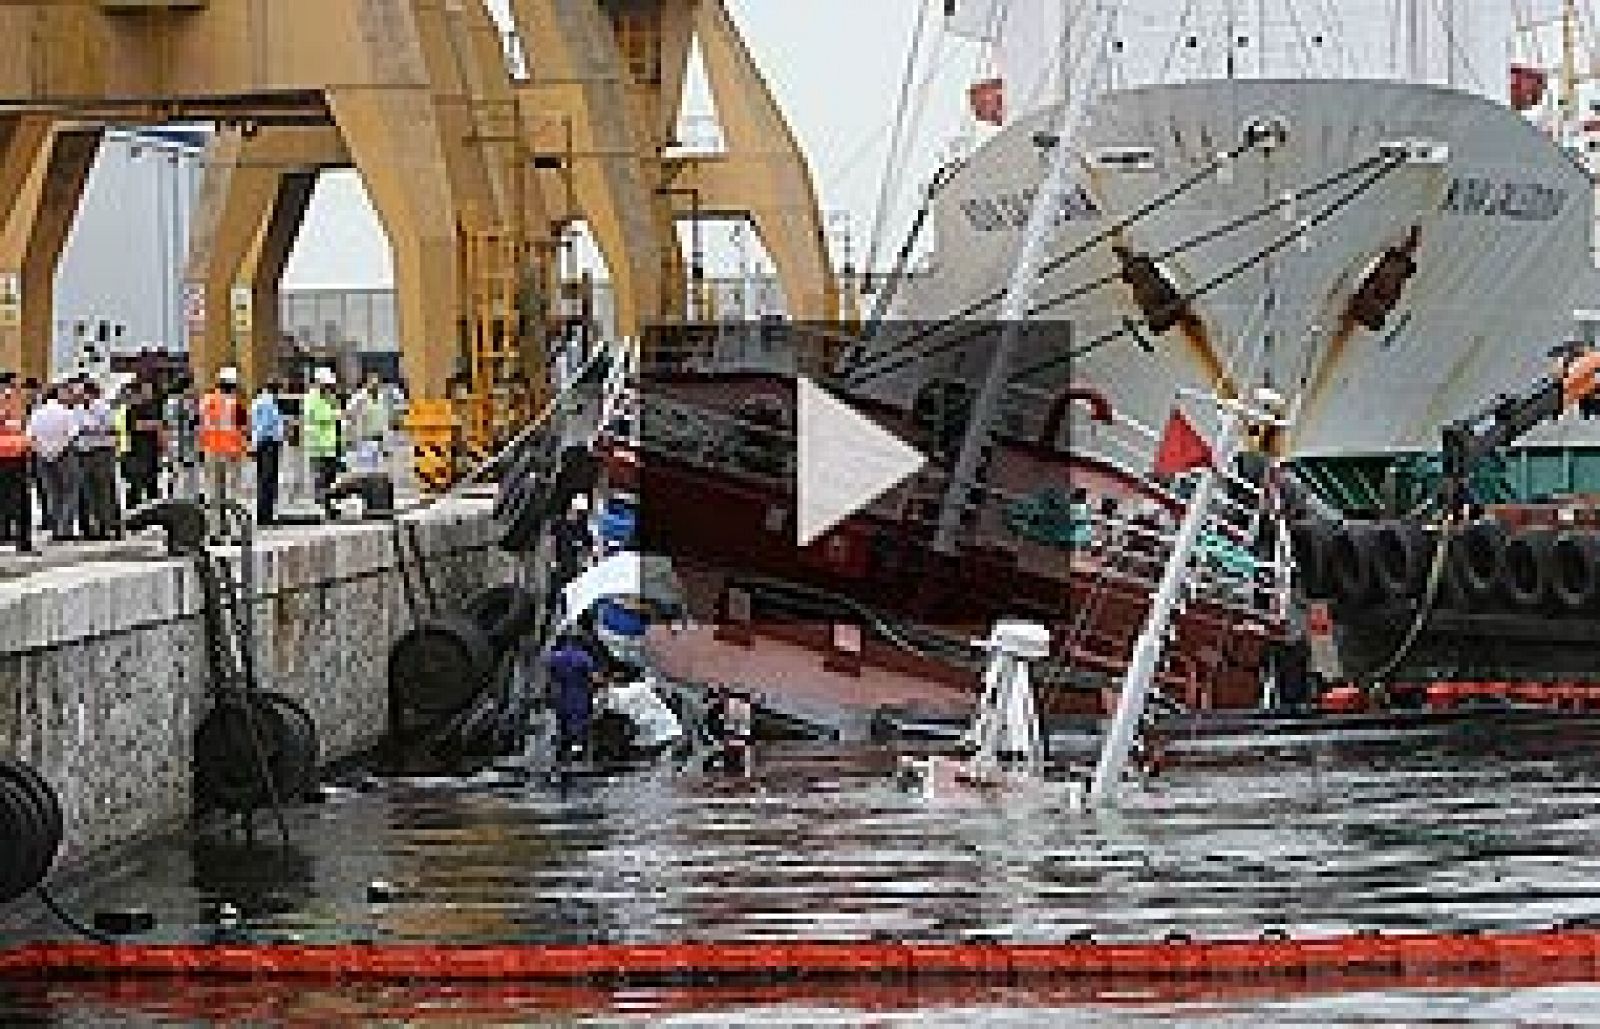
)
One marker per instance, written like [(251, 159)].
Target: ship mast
[(1047, 203)]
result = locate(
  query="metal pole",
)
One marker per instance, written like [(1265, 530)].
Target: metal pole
[(1036, 238), (1147, 651)]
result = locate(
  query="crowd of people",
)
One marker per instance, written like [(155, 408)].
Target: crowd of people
[(74, 459)]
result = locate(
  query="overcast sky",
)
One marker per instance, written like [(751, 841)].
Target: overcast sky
[(835, 66)]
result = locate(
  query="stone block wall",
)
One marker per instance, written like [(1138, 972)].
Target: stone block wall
[(103, 671)]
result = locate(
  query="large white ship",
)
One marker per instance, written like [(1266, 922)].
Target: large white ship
[(1348, 205)]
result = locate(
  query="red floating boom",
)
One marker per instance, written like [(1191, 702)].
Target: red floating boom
[(1397, 959)]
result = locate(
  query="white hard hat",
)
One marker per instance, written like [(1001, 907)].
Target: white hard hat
[(229, 376), (324, 377), (580, 504)]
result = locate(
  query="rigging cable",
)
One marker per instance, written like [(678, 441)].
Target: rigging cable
[(1226, 228), (867, 373), (1178, 37), (890, 180), (1133, 325), (902, 262)]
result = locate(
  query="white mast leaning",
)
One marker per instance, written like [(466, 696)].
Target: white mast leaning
[(1047, 204)]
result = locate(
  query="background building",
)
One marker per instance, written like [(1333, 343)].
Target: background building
[(120, 280)]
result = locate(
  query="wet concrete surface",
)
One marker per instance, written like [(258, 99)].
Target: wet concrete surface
[(1495, 833)]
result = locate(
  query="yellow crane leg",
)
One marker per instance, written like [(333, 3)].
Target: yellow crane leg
[(399, 149), (31, 242), (261, 274), (579, 77), (764, 171), (243, 195)]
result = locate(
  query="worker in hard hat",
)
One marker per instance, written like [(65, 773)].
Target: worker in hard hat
[(223, 429), (319, 430)]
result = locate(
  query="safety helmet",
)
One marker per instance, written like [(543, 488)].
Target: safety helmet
[(580, 504), (324, 377), (228, 376)]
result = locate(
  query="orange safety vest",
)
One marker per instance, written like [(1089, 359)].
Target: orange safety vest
[(14, 442), (220, 434)]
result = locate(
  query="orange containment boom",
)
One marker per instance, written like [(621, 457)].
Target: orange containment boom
[(1398, 960)]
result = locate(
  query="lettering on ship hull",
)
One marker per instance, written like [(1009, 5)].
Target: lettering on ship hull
[(1518, 201), (1008, 212)]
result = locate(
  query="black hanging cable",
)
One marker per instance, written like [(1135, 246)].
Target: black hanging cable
[(1277, 246), (891, 286), (1207, 236), (66, 918), (867, 372)]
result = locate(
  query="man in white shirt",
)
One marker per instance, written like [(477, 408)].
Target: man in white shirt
[(368, 417), (52, 428), (101, 509)]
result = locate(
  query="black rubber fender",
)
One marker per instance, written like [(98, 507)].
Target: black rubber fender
[(1351, 562), (505, 612), (437, 668), (32, 827), (1575, 570), (1311, 542), (227, 765), (300, 752), (1526, 570), (1475, 561), (1402, 557), (184, 522)]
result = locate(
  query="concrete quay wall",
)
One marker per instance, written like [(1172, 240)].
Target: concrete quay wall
[(103, 669)]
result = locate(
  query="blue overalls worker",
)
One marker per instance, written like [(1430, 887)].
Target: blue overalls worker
[(619, 524), (573, 674)]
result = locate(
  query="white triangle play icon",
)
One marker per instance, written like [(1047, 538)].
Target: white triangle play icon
[(845, 462)]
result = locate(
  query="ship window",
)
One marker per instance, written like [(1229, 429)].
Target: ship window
[(1594, 145)]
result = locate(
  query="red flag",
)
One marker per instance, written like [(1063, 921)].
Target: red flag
[(1527, 87), (1182, 448), (988, 101)]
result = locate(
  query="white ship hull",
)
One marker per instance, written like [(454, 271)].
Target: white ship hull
[(1506, 223)]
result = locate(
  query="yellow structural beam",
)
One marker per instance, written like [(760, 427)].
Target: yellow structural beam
[(369, 65), (579, 82), (613, 75), (258, 337), (763, 170), (416, 95), (31, 240), (241, 194)]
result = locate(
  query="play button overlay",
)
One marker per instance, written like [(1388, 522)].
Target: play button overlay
[(845, 461)]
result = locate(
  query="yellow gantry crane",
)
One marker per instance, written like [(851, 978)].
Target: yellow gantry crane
[(475, 173)]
